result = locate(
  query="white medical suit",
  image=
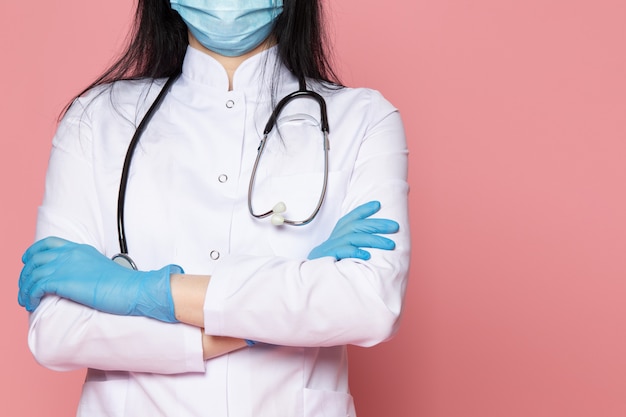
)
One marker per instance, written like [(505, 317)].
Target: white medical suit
[(186, 204)]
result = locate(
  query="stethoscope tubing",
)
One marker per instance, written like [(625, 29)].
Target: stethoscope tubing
[(123, 258), (301, 93), (121, 197)]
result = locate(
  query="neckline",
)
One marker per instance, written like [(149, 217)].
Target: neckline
[(253, 74)]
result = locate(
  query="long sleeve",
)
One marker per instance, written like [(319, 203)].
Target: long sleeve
[(64, 335), (294, 302)]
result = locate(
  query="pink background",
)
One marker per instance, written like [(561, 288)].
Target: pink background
[(516, 117)]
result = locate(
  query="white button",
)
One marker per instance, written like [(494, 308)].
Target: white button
[(215, 255), (222, 178), (230, 104)]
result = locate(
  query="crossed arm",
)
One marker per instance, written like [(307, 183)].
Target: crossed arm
[(80, 273)]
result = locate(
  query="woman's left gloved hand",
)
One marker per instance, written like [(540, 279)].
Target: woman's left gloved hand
[(82, 274), (355, 231)]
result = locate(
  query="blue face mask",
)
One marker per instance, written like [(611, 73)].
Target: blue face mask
[(229, 27)]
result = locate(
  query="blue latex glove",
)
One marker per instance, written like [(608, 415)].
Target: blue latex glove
[(356, 230), (82, 274)]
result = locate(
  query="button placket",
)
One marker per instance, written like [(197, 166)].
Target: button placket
[(229, 112)]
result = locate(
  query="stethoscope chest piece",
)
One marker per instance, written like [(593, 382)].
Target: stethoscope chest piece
[(124, 260)]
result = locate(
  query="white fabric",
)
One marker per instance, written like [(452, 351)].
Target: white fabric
[(181, 209)]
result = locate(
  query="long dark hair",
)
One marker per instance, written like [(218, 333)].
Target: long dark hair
[(159, 39)]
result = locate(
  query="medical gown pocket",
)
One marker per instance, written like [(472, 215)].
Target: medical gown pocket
[(321, 403), (292, 168), (104, 394)]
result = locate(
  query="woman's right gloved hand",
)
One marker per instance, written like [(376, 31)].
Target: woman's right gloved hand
[(355, 231), (84, 275)]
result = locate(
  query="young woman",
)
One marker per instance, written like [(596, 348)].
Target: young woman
[(258, 322)]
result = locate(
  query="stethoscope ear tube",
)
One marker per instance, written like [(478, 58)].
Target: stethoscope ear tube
[(277, 218), (122, 258)]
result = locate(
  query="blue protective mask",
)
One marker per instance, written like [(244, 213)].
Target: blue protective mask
[(229, 27)]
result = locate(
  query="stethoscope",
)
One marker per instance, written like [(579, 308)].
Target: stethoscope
[(277, 218)]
